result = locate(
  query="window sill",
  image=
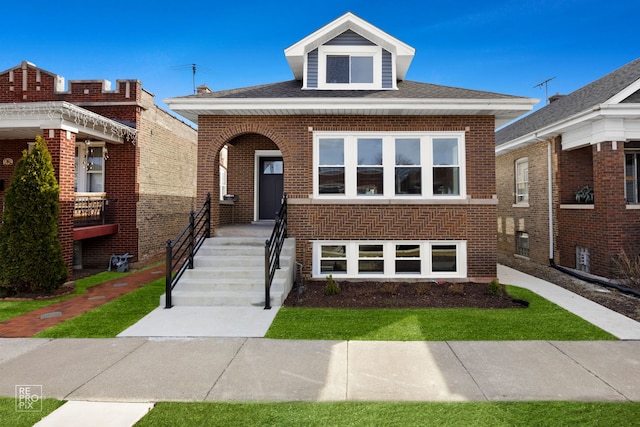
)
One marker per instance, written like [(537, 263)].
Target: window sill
[(632, 207), (520, 205), (577, 206)]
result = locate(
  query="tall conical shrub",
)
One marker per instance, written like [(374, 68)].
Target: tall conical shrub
[(30, 251)]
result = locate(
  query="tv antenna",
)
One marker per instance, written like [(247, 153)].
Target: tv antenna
[(546, 87), (194, 69)]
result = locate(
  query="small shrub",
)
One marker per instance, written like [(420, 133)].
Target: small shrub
[(423, 288), (495, 288), (456, 288), (332, 287), (628, 269)]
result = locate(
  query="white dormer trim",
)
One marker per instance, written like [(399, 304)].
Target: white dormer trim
[(402, 53)]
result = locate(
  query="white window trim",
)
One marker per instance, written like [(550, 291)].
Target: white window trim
[(82, 172), (389, 248), (373, 51), (519, 162), (388, 152)]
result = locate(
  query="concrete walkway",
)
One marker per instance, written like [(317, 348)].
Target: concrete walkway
[(119, 379)]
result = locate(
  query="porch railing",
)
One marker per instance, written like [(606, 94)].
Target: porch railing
[(89, 211), (180, 252), (272, 250)]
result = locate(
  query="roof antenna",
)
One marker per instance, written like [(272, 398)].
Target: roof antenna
[(193, 72), (546, 88), (194, 69)]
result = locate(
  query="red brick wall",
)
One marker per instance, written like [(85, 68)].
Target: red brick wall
[(291, 134), (149, 211), (605, 228)]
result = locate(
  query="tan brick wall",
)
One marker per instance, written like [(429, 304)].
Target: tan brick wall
[(474, 223), (166, 179), (533, 219)]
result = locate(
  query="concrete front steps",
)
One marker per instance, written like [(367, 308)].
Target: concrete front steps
[(229, 271)]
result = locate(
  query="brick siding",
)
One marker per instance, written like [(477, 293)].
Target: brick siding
[(291, 135)]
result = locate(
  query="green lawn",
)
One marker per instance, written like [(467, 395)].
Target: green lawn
[(10, 309), (10, 417), (477, 414), (108, 320), (542, 320)]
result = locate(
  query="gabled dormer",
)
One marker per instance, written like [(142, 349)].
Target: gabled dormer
[(349, 54)]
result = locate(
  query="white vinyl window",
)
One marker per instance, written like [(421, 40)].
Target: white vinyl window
[(89, 167), (522, 180), (349, 67), (390, 259), (389, 165)]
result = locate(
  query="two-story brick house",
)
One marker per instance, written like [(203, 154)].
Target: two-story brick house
[(386, 178), (588, 138), (126, 168)]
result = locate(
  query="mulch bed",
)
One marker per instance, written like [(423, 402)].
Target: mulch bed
[(400, 295)]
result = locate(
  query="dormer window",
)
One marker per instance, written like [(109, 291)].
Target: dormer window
[(349, 67)]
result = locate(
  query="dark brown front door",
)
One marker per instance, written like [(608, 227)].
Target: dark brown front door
[(270, 186)]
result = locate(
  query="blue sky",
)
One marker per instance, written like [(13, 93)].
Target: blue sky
[(501, 46)]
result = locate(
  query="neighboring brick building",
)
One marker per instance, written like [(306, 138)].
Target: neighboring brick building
[(386, 178), (126, 168), (590, 137)]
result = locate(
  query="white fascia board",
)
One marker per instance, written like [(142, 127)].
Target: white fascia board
[(577, 121), (624, 94), (407, 106)]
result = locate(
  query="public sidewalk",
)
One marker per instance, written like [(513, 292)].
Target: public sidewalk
[(123, 377), (36, 321)]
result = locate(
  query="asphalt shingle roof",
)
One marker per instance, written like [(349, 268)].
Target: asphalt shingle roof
[(406, 90), (586, 97)]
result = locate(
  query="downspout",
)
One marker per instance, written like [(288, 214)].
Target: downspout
[(550, 190)]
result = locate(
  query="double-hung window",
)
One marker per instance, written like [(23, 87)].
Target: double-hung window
[(389, 165), (632, 169), (522, 180), (89, 167)]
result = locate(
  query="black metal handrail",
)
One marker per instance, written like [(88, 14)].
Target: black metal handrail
[(180, 252), (272, 249)]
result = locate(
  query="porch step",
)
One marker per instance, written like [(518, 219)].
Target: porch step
[(229, 271)]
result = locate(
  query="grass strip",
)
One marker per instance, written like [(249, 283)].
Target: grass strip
[(478, 414), (12, 308), (9, 416), (542, 320), (108, 320)]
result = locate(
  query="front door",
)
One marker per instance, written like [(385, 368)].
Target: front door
[(270, 186)]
